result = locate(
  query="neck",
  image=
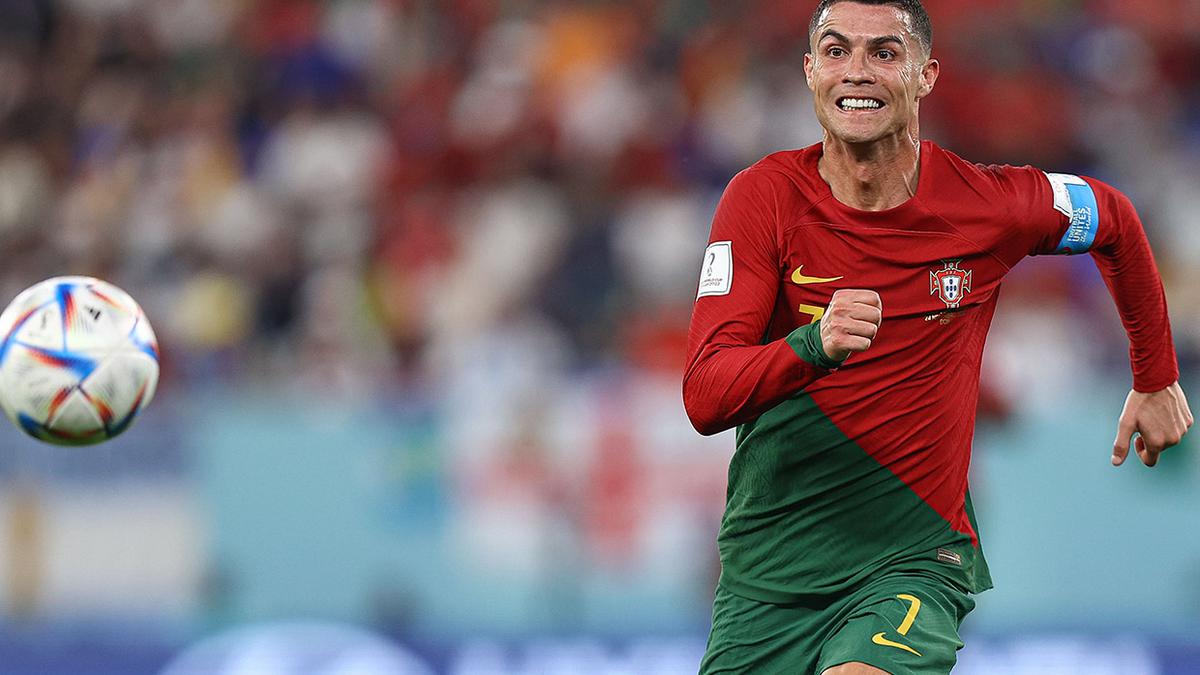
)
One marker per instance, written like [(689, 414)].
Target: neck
[(872, 176)]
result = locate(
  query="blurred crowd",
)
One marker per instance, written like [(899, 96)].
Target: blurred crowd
[(355, 194), (486, 217)]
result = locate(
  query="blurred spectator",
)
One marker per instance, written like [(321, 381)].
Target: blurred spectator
[(453, 163), (499, 209)]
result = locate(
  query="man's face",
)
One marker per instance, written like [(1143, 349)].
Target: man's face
[(867, 71)]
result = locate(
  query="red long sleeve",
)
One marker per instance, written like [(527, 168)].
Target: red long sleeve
[(745, 352), (731, 375), (1123, 255), (1120, 250)]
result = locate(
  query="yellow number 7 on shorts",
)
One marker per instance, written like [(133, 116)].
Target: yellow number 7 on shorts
[(914, 606)]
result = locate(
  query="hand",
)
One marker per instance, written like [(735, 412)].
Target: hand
[(850, 323), (1160, 419)]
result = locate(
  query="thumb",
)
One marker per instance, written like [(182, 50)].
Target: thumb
[(1125, 429)]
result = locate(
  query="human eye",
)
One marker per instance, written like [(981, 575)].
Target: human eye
[(885, 55), (835, 51)]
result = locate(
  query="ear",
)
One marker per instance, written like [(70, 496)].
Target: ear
[(929, 75), (808, 69)]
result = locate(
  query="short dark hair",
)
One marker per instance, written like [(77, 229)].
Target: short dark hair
[(920, 19)]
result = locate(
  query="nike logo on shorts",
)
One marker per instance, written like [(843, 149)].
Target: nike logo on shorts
[(880, 640)]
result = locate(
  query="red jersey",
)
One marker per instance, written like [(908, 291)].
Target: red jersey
[(843, 469)]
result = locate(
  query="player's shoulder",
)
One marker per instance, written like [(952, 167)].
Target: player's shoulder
[(795, 165), (974, 173), (986, 180), (790, 175)]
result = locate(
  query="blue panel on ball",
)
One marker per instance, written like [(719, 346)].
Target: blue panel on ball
[(4, 347), (122, 424), (9, 339), (80, 365), (33, 427), (66, 307), (42, 432), (147, 347)]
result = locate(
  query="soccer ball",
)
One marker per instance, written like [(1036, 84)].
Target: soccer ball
[(78, 361)]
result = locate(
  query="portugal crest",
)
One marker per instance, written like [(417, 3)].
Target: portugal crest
[(951, 283)]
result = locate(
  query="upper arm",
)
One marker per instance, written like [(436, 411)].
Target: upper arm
[(1062, 214), (733, 372), (1041, 205), (739, 277)]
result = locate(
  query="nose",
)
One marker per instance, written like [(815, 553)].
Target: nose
[(858, 69)]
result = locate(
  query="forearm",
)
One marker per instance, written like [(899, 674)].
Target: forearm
[(727, 385), (1127, 265)]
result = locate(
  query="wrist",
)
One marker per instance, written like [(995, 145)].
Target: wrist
[(806, 342)]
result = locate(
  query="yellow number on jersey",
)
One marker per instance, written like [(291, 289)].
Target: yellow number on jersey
[(814, 311)]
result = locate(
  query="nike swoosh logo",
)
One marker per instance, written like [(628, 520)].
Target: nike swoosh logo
[(880, 640), (800, 279)]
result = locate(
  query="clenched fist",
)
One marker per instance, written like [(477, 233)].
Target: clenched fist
[(1160, 419), (850, 323)]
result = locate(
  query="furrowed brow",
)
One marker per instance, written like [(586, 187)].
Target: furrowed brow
[(873, 42), (829, 32), (885, 39)]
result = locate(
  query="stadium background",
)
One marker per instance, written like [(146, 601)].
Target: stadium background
[(422, 271)]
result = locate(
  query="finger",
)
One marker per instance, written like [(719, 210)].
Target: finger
[(1181, 401), (1121, 443), (1182, 423), (855, 338), (852, 295), (1153, 443), (856, 343), (845, 315), (864, 312), (867, 329), (1147, 453)]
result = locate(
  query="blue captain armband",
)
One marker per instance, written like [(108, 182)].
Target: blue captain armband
[(1074, 198)]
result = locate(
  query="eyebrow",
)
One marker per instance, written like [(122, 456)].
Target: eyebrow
[(829, 32), (874, 42)]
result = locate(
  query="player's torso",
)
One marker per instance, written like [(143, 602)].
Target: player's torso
[(932, 279), (909, 400), (868, 464)]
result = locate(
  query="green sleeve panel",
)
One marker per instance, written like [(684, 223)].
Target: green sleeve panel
[(806, 342)]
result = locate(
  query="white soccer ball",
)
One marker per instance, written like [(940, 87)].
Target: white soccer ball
[(78, 361)]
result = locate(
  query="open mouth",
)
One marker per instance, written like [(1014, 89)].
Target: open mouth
[(851, 104)]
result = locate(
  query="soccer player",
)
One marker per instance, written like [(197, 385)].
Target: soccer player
[(844, 299)]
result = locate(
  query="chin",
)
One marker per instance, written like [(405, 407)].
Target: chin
[(857, 136), (860, 133)]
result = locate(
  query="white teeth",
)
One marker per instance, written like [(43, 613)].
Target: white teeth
[(859, 104)]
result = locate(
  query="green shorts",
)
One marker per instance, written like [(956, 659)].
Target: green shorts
[(900, 622)]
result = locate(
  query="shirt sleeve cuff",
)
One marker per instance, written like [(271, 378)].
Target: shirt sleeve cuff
[(806, 342)]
